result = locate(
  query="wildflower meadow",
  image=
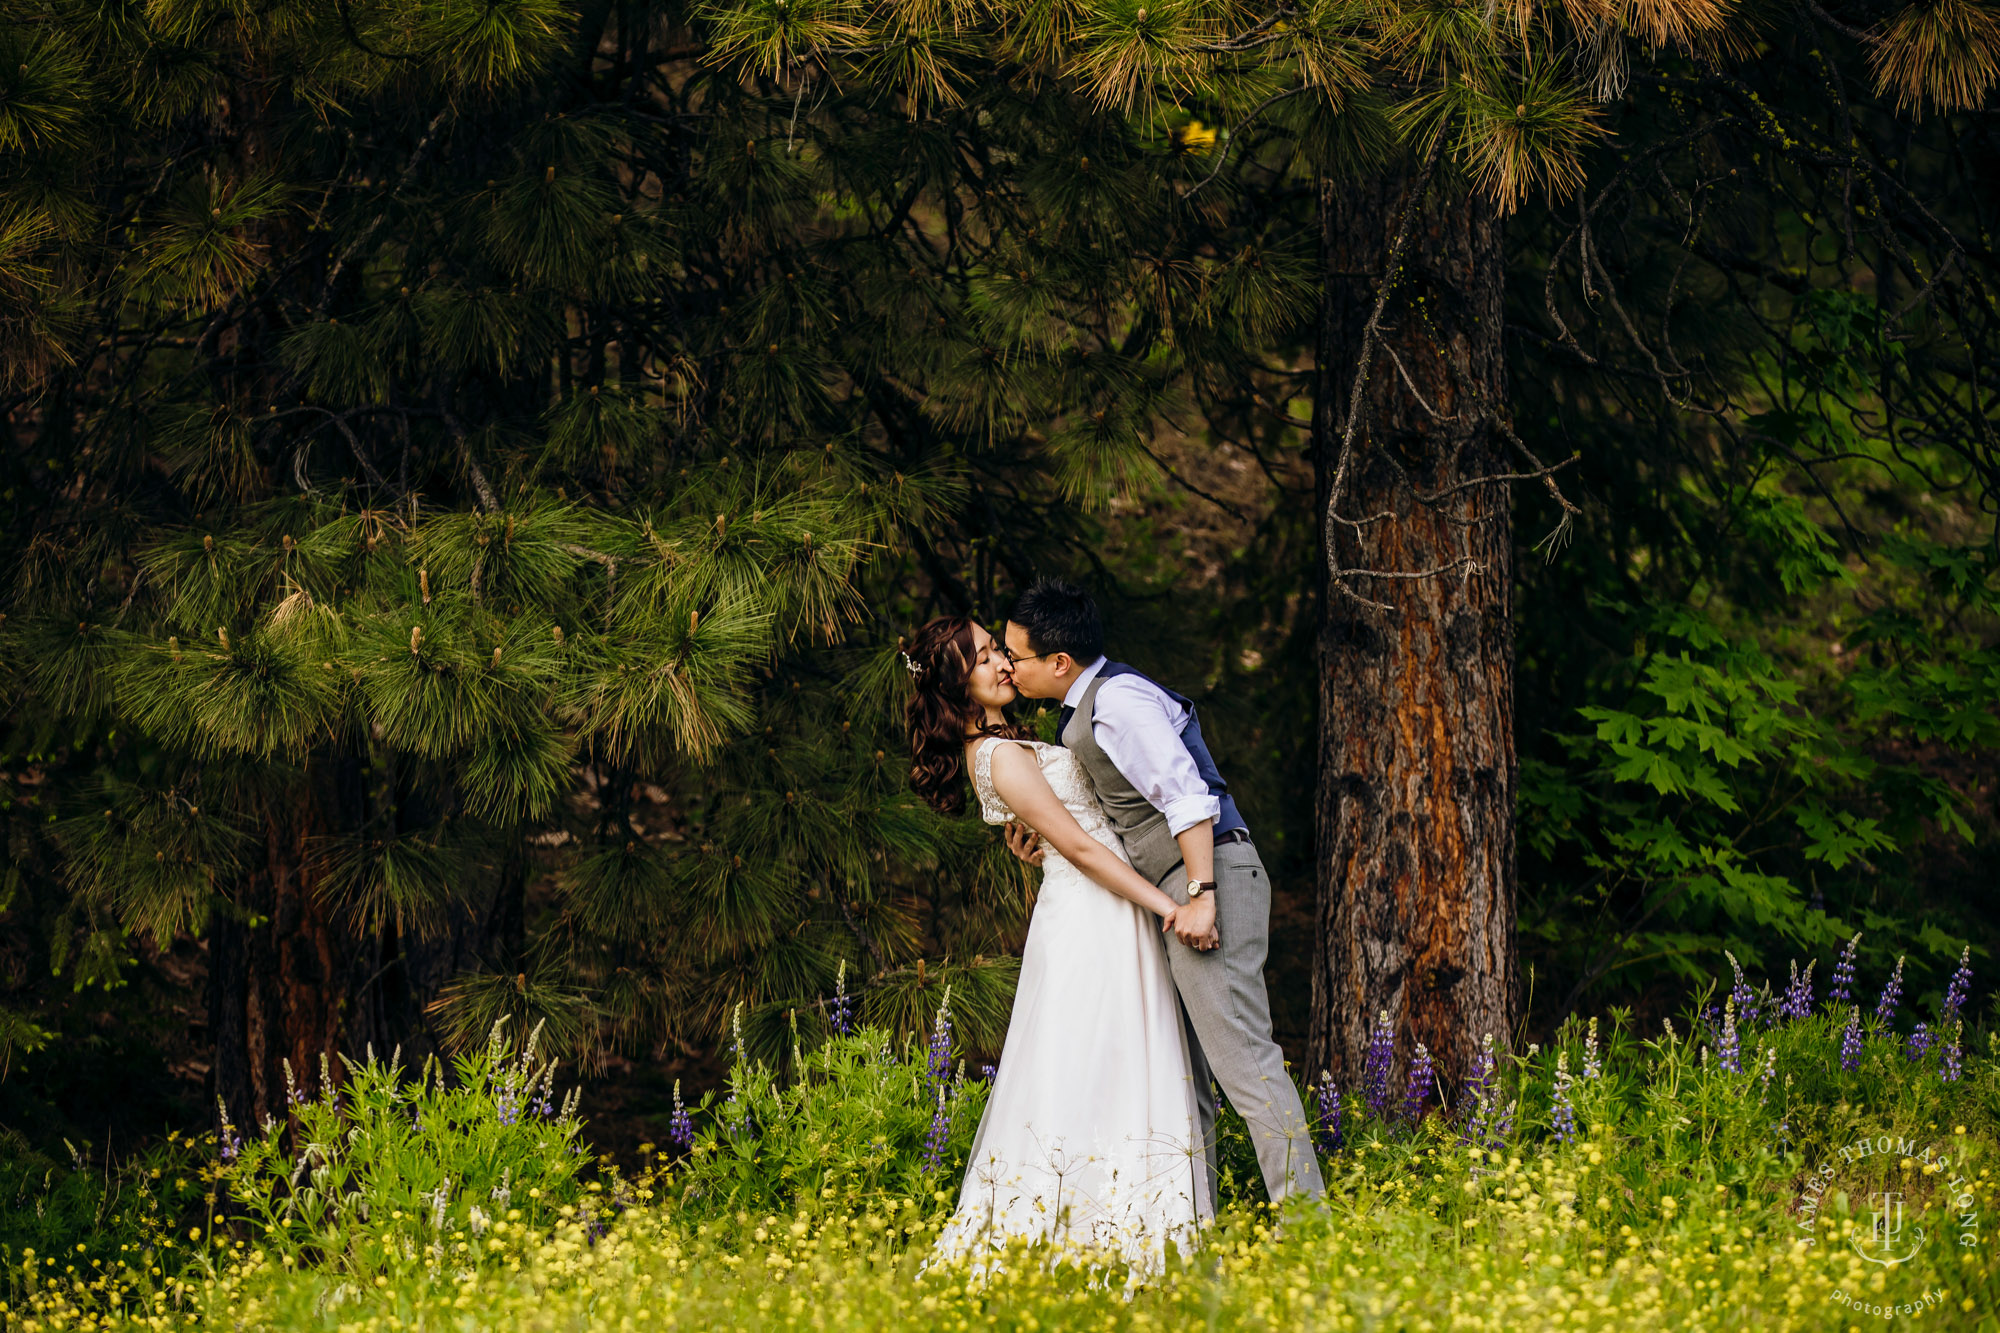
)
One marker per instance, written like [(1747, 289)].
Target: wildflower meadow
[(1773, 1162)]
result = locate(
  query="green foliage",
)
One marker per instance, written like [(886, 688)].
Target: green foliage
[(1680, 1169), (374, 1173), (845, 1134)]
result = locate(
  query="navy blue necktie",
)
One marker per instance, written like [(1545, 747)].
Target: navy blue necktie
[(1062, 724)]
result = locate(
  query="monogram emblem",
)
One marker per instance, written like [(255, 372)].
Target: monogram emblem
[(1885, 1243)]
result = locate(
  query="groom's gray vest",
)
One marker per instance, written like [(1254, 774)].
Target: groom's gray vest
[(1147, 839)]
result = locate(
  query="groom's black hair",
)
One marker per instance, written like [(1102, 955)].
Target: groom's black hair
[(1060, 618)]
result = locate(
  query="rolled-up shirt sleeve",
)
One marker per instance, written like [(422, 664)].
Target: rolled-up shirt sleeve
[(1139, 727)]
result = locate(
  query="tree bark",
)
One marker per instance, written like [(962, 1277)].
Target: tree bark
[(285, 971), (1414, 827)]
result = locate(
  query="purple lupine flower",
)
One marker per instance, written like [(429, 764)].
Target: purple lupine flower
[(1746, 999), (1326, 1114), (1562, 1115), (1885, 1011), (1730, 1046), (1798, 1001), (940, 1131), (1503, 1128), (1951, 1067), (231, 1143), (1843, 973), (843, 1007), (1417, 1087), (680, 1129), (1479, 1124), (1709, 1023), (1375, 1071), (986, 1072), (939, 1065), (1960, 990), (507, 1104), (1592, 1067), (1850, 1041), (1920, 1042)]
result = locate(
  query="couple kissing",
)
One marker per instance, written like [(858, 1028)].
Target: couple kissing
[(1142, 978)]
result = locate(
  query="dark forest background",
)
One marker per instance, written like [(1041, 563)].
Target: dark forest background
[(464, 483)]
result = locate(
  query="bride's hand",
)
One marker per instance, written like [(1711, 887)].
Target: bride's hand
[(1024, 842)]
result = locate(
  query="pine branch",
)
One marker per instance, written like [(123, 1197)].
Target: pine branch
[(1222, 156), (368, 232)]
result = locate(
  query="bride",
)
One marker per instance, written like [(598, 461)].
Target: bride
[(1089, 1138)]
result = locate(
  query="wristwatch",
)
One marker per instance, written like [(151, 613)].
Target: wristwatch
[(1197, 887)]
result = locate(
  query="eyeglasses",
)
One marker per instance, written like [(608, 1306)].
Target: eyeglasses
[(1016, 661)]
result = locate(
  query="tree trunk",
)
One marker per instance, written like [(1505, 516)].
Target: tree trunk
[(1415, 809), (288, 974)]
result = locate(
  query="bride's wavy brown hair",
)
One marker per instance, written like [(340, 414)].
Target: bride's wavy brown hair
[(940, 710)]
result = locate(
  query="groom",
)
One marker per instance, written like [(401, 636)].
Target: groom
[(1143, 749)]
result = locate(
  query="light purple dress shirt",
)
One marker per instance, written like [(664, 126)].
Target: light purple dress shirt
[(1139, 727)]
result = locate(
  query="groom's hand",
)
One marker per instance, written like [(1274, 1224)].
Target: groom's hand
[(1024, 842), (1194, 924)]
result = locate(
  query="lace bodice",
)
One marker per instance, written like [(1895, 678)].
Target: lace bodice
[(1065, 777)]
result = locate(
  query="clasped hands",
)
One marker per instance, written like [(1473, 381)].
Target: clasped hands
[(1193, 924)]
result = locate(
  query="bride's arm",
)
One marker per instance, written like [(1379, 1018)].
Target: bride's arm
[(1018, 779)]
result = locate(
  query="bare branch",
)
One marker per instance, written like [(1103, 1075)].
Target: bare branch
[(1222, 156), (1370, 334), (368, 232)]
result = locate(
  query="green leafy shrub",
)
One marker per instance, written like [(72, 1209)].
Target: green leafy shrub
[(860, 1124), (383, 1172)]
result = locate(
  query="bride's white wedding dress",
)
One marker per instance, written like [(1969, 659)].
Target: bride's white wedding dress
[(1089, 1137)]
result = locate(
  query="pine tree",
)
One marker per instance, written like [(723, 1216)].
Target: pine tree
[(1419, 129), (431, 434)]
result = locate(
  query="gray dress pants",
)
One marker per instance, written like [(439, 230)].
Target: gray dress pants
[(1228, 1015)]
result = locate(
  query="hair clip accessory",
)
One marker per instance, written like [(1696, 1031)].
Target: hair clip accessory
[(915, 668)]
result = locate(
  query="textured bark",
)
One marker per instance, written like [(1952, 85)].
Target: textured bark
[(285, 974), (1415, 811), (293, 976)]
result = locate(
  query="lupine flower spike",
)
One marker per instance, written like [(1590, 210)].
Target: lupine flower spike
[(1843, 973), (1919, 1043), (1417, 1087), (940, 1049), (1730, 1047), (1850, 1041), (940, 1131), (1326, 1114), (1746, 999), (1592, 1067), (1479, 1096), (681, 1128), (1562, 1115), (1798, 1000), (1885, 1012), (1960, 989), (1503, 1129), (1767, 1073), (230, 1141), (843, 1009), (1375, 1072), (1951, 1067)]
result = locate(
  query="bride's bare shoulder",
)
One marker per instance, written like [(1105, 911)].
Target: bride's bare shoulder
[(1014, 758)]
